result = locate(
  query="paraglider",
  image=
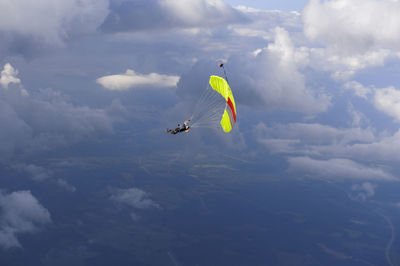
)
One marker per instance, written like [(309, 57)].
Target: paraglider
[(184, 128), (215, 108)]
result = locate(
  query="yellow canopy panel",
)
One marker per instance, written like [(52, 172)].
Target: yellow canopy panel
[(222, 87)]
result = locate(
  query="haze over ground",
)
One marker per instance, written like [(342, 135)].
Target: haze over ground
[(308, 176)]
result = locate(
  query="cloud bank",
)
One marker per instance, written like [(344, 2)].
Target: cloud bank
[(324, 151)]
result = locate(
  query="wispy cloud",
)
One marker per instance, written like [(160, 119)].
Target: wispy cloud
[(363, 191), (337, 169)]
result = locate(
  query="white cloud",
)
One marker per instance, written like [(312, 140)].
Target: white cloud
[(134, 197), (353, 26), (169, 14), (51, 21), (344, 67), (386, 148), (131, 79), (337, 169), (198, 12), (20, 213), (272, 78), (8, 75), (356, 34), (388, 101)]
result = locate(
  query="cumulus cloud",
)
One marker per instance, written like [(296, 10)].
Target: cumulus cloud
[(8, 75), (270, 79), (131, 79), (337, 169), (20, 213), (44, 120), (166, 14), (353, 26), (388, 101), (48, 21), (343, 67), (355, 34), (134, 197), (275, 76)]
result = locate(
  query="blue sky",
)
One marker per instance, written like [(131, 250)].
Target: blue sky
[(89, 89)]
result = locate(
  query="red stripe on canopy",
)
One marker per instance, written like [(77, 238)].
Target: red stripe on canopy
[(230, 104)]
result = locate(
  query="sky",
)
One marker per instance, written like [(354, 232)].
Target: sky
[(95, 83)]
